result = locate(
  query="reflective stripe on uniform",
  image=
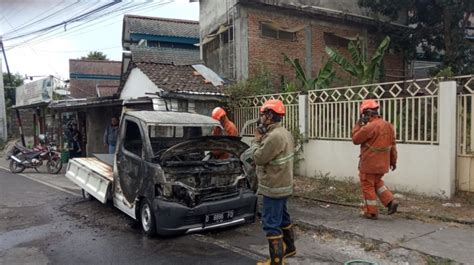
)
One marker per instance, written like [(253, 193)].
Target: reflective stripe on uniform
[(281, 190), (281, 160), (381, 190), (371, 202), (378, 149)]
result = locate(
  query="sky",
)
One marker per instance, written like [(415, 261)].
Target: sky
[(48, 53)]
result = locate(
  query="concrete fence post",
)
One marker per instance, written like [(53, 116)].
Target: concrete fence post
[(447, 137), (303, 116)]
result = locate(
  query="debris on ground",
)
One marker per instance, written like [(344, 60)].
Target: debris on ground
[(448, 204), (346, 191)]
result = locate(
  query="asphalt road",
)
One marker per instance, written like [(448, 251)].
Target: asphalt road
[(43, 225)]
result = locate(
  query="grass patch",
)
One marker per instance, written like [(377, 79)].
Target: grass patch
[(323, 186)]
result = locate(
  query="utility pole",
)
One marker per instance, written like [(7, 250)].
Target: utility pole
[(3, 110), (3, 116)]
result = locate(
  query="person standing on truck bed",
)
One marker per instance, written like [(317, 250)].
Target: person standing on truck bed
[(273, 155), (230, 129), (110, 135)]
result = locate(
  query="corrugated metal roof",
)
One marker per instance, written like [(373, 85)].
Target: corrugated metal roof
[(162, 26), (170, 117)]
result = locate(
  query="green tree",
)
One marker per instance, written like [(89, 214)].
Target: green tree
[(95, 56), (364, 70), (439, 27), (322, 80), (10, 87)]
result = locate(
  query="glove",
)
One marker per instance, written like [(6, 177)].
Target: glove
[(393, 167)]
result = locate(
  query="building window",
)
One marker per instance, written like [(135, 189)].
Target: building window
[(154, 44), (335, 41), (268, 31)]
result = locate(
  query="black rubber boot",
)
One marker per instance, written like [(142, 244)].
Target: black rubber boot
[(289, 240), (277, 250), (392, 207)]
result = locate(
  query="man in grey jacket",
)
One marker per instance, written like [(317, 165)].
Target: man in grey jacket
[(110, 135), (273, 156)]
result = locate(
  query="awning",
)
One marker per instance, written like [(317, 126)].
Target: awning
[(85, 103), (31, 106), (210, 37)]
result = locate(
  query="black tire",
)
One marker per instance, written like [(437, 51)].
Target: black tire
[(87, 196), (147, 218), (54, 166), (16, 167)]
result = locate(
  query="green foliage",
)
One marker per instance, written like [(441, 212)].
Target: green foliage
[(443, 73), (322, 80), (298, 140), (364, 70), (439, 26), (95, 56), (258, 84), (10, 87)]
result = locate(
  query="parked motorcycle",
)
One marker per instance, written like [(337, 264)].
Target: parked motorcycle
[(22, 157)]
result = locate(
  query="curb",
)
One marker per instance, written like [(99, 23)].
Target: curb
[(362, 238), (403, 213)]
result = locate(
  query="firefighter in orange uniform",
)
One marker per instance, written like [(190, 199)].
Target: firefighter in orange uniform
[(220, 115), (378, 154)]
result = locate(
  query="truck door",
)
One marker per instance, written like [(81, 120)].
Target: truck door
[(130, 160)]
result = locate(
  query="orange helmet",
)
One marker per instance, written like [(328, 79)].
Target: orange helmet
[(368, 104), (218, 113), (274, 104)]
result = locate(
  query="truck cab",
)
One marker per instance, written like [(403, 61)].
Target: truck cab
[(167, 175)]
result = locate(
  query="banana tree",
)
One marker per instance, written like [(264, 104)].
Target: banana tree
[(366, 71), (322, 80)]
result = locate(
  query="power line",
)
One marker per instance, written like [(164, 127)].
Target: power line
[(32, 21), (74, 19), (33, 50), (95, 49), (87, 23)]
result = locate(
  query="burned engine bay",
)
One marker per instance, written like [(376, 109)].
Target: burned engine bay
[(194, 173)]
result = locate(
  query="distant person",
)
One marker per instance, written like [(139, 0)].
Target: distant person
[(220, 115), (378, 154), (110, 135), (74, 139)]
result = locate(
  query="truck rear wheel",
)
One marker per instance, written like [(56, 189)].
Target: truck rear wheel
[(147, 218), (86, 195)]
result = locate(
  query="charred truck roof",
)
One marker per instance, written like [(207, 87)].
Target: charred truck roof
[(173, 118)]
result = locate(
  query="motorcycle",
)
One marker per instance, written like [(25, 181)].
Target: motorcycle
[(22, 157)]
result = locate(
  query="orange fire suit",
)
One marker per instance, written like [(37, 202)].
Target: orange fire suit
[(229, 130), (378, 153)]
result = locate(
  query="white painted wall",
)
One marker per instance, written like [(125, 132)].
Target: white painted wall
[(429, 169), (417, 168), (137, 85)]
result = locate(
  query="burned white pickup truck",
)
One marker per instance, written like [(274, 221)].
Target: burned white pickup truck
[(165, 176)]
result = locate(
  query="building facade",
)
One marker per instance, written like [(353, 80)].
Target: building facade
[(239, 35)]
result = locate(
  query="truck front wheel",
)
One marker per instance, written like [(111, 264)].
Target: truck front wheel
[(147, 218)]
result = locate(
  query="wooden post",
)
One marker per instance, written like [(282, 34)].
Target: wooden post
[(20, 128), (35, 138)]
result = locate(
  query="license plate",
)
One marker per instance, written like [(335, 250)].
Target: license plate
[(217, 218)]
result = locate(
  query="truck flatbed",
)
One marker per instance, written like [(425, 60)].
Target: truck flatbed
[(106, 158), (92, 175)]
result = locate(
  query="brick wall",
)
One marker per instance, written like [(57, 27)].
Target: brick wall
[(268, 50)]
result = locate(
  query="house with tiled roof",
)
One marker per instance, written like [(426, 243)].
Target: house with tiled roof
[(93, 78), (161, 63), (176, 80)]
